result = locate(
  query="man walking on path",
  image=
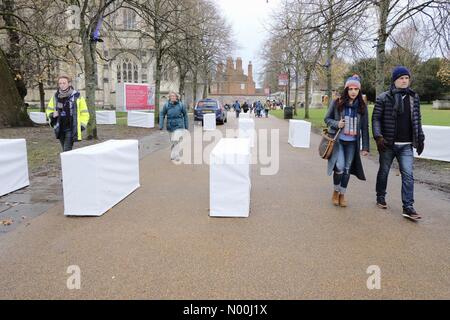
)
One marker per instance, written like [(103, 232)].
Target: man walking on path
[(237, 108), (68, 113), (397, 129), (267, 107)]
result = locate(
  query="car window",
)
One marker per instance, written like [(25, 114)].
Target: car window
[(203, 104)]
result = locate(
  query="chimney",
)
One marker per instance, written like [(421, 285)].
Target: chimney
[(230, 65), (239, 65), (219, 68), (250, 71)]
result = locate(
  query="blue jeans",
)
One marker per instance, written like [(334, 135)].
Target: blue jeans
[(405, 158), (66, 139), (346, 154)]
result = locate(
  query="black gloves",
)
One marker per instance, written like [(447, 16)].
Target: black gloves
[(420, 147), (380, 144)]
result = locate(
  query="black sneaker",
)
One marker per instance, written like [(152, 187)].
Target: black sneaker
[(381, 203), (410, 213)]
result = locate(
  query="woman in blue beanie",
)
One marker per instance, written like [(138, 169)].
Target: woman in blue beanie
[(347, 117)]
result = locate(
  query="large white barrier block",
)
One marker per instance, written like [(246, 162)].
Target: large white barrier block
[(97, 177), (38, 117), (299, 133), (247, 130), (437, 143), (245, 115), (141, 119), (13, 165), (209, 121), (105, 117), (229, 179)]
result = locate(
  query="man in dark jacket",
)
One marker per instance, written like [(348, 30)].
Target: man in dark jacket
[(237, 108), (397, 129)]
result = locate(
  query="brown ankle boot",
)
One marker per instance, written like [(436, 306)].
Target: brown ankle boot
[(335, 198), (342, 201)]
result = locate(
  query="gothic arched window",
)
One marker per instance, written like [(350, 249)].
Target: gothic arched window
[(129, 19), (127, 70)]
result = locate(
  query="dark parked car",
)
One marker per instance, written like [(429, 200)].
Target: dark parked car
[(210, 106)]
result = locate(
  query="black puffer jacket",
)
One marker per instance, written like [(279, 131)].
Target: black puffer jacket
[(384, 119)]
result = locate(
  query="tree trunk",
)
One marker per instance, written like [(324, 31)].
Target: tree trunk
[(194, 87), (158, 73), (42, 96), (90, 71), (296, 93), (383, 10), (329, 52), (182, 83), (307, 98), (289, 87), (205, 86), (13, 55), (12, 109)]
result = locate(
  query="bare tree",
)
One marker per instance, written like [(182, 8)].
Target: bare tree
[(159, 24), (292, 49), (393, 13), (337, 22), (28, 33)]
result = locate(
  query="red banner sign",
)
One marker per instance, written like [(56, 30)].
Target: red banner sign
[(139, 97)]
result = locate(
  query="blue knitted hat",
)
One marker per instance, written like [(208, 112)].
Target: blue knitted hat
[(400, 71), (354, 81)]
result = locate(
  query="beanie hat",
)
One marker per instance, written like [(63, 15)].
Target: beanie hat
[(400, 71), (353, 81)]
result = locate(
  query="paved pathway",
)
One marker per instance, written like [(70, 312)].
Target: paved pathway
[(160, 243)]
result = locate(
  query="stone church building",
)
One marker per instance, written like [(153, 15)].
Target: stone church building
[(126, 56)]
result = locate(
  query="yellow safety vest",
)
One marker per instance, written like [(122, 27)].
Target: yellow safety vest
[(82, 114)]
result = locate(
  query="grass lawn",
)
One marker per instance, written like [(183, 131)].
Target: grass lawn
[(120, 116), (429, 117)]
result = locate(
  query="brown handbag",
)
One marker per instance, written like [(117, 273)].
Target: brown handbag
[(327, 144)]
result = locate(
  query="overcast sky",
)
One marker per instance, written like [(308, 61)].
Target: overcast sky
[(246, 18)]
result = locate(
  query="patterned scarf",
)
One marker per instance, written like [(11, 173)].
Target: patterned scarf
[(351, 119), (64, 94), (399, 96)]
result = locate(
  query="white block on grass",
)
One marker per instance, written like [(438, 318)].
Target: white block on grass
[(105, 117), (229, 178), (209, 121), (97, 177), (437, 143), (38, 117), (13, 165), (141, 119), (247, 130), (299, 133)]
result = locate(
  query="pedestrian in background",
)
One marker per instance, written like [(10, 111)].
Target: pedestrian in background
[(177, 122), (267, 107), (237, 108)]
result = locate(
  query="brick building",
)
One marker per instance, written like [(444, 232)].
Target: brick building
[(231, 80)]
